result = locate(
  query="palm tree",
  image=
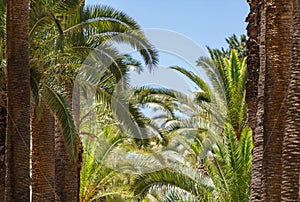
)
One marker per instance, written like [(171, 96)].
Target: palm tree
[(18, 93), (99, 181), (43, 159), (3, 114), (291, 142), (43, 163), (275, 25), (100, 24), (238, 44), (103, 24), (255, 47), (230, 164), (228, 78), (35, 77), (223, 175), (47, 96)]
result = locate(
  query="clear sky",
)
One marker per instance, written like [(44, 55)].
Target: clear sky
[(206, 22)]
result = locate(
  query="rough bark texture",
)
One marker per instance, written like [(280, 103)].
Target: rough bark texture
[(291, 143), (18, 102), (67, 171), (255, 90), (3, 116), (278, 49), (253, 61), (276, 153), (43, 158)]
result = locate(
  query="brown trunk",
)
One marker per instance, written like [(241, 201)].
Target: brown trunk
[(66, 175), (43, 162), (278, 49), (253, 61), (291, 144), (18, 102), (67, 171), (3, 116), (255, 90), (272, 19)]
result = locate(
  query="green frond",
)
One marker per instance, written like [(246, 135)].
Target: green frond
[(168, 180), (198, 81), (62, 111), (230, 166), (179, 196), (103, 24)]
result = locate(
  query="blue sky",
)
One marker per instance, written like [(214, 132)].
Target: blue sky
[(208, 22), (205, 22)]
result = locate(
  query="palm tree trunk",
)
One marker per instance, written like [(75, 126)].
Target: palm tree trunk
[(67, 171), (277, 53), (18, 103), (3, 116), (291, 143), (43, 158), (276, 154), (255, 90), (253, 62)]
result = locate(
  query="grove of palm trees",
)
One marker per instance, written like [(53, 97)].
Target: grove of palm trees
[(75, 128)]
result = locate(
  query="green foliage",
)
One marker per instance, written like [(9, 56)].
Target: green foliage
[(238, 44), (98, 181), (76, 32), (224, 176), (173, 182), (230, 165), (228, 77), (222, 152)]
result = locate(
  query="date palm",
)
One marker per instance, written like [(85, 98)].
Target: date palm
[(291, 141), (224, 176), (271, 25), (99, 181), (49, 100), (239, 44), (228, 79), (2, 99), (18, 104), (228, 76), (72, 47)]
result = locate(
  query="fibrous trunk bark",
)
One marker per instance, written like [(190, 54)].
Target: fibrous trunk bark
[(255, 90), (278, 48), (18, 102), (3, 116), (276, 105), (67, 172), (291, 142), (43, 157)]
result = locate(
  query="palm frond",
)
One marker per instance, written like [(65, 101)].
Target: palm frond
[(167, 180), (61, 109)]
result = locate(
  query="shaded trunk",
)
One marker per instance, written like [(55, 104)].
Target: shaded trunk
[(18, 102), (3, 116), (291, 143), (67, 171), (43, 158), (255, 90), (253, 62)]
